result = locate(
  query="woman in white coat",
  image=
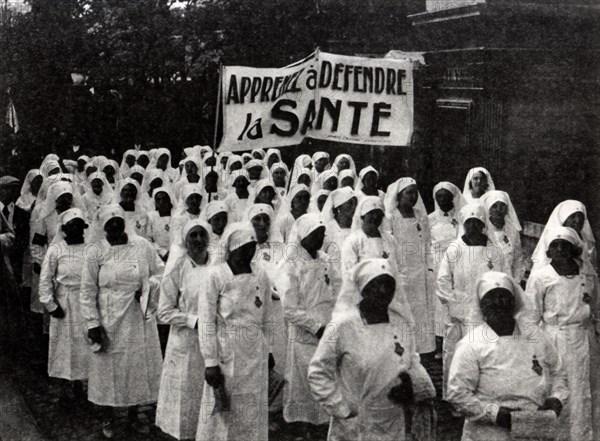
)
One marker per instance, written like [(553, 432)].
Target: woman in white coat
[(182, 377), (503, 366), (234, 303), (337, 215), (308, 287), (60, 280), (443, 222), (478, 182), (410, 228), (98, 194), (128, 195), (293, 206), (361, 369), (469, 256), (504, 229), (118, 293), (562, 296)]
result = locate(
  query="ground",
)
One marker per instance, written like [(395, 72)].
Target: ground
[(34, 394)]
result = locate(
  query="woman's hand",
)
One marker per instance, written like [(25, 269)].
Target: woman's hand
[(213, 376)]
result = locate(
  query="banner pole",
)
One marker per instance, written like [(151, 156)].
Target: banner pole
[(217, 108)]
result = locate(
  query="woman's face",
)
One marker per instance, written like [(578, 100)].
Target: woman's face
[(497, 213), (130, 160), (155, 183), (562, 250), (241, 183), (279, 177), (347, 182), (109, 171), (445, 199), (64, 202), (343, 164), (74, 228), (218, 223), (255, 172), (143, 160), (261, 223), (575, 221), (54, 171), (348, 208), (370, 180), (244, 254), (114, 227), (330, 184), (196, 240), (321, 201), (314, 241), (191, 168), (479, 182), (97, 186), (193, 202), (474, 227), (273, 159), (36, 184), (408, 197), (373, 218), (257, 155), (162, 162), (90, 170), (320, 164), (224, 160), (304, 179), (162, 201), (301, 201), (379, 292), (498, 308), (247, 159), (138, 177), (266, 195), (128, 193), (237, 165)]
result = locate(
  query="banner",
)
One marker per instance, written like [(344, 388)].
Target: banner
[(325, 96)]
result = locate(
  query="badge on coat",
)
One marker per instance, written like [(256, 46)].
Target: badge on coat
[(418, 227), (398, 349), (490, 265), (327, 279), (137, 224), (506, 239), (266, 257), (454, 223), (258, 302), (167, 228), (385, 255), (536, 367)]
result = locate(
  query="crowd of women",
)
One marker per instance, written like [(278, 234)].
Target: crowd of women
[(256, 275)]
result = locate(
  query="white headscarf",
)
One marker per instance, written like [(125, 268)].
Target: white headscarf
[(157, 154), (467, 188), (238, 235), (151, 175), (491, 280), (391, 198), (286, 205), (458, 199), (336, 198), (338, 158), (272, 152), (136, 169), (169, 193), (282, 166), (107, 194), (102, 216), (256, 163), (325, 175), (365, 205), (212, 209), (115, 166), (303, 226), (261, 185), (255, 210), (557, 218), (302, 162), (363, 172), (138, 197), (319, 155), (64, 218), (261, 152), (27, 198), (124, 167), (347, 174), (474, 210), (48, 166), (54, 192), (192, 152), (491, 197), (186, 191), (313, 207)]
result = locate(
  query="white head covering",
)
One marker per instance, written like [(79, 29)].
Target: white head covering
[(261, 185), (458, 199), (136, 169), (168, 191), (336, 198), (338, 158), (64, 218), (327, 174), (302, 162), (347, 174), (27, 198), (124, 167), (143, 153), (121, 184), (178, 249), (261, 152), (186, 191), (319, 155), (491, 280), (157, 154), (272, 152), (363, 172), (303, 226), (540, 258), (48, 166), (256, 209), (151, 175), (313, 207), (256, 163), (391, 198), (491, 197), (474, 210), (204, 151), (467, 188), (192, 152), (365, 205), (70, 165), (107, 194), (238, 236), (212, 209), (102, 216), (286, 205), (362, 273), (54, 192), (196, 161), (236, 174), (300, 172), (115, 165), (280, 165)]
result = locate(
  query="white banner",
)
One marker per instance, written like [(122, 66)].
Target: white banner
[(325, 96)]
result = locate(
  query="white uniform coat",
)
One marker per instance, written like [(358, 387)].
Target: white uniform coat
[(334, 239), (569, 308), (508, 240), (490, 371), (60, 280), (308, 289), (138, 220), (460, 269), (358, 247), (353, 369), (234, 334), (183, 368), (412, 237), (159, 228), (128, 372), (236, 207)]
